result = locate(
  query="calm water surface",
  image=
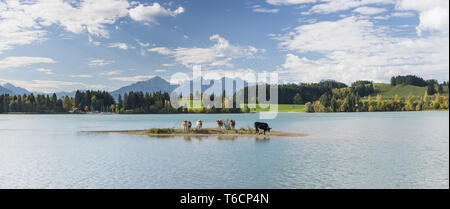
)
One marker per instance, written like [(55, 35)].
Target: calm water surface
[(346, 150)]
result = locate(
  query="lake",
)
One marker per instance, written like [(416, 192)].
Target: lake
[(342, 150)]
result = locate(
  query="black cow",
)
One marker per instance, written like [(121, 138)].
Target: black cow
[(262, 126)]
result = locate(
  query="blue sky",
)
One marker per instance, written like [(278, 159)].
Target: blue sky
[(57, 45)]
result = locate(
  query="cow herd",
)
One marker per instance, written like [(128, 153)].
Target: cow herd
[(227, 124)]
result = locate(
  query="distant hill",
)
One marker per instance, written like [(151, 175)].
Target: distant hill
[(155, 84), (388, 91), (152, 85), (5, 91), (66, 93), (14, 90), (207, 84)]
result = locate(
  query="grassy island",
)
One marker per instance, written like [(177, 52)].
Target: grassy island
[(202, 132)]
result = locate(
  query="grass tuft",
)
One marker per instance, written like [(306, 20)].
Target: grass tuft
[(161, 130)]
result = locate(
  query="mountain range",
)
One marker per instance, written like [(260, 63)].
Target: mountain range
[(12, 90), (3, 90), (152, 85), (155, 84)]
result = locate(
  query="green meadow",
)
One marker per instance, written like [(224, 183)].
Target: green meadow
[(388, 91), (281, 108)]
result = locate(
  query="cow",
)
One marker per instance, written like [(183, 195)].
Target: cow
[(262, 126), (199, 124), (232, 124), (219, 124), (186, 125)]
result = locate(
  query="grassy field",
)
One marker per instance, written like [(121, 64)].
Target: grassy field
[(283, 108), (388, 91)]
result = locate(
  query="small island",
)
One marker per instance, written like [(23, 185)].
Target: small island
[(162, 132)]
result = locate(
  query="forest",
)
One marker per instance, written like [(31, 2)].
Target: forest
[(98, 101), (325, 96), (344, 100)]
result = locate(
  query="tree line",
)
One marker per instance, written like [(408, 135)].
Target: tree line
[(408, 80), (345, 100), (31, 103), (99, 101), (350, 99), (297, 93), (325, 96), (311, 92), (432, 85)]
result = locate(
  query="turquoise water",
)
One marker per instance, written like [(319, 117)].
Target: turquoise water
[(345, 150)]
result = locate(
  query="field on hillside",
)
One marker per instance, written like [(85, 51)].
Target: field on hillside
[(283, 108), (388, 91)]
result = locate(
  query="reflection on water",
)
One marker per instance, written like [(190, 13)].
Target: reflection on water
[(224, 137), (346, 150)]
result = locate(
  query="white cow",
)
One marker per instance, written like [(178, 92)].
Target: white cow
[(186, 125), (199, 124)]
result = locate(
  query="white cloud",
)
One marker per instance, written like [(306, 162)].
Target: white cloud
[(99, 62), (245, 74), (369, 10), (168, 65), (13, 62), (289, 2), (220, 54), (150, 13), (111, 73), (259, 9), (122, 46), (434, 14), (47, 86), (353, 48), (45, 71), (395, 15), (88, 16), (142, 44), (22, 22), (161, 50), (330, 6), (133, 78), (160, 71), (81, 76), (402, 14), (96, 43), (17, 27)]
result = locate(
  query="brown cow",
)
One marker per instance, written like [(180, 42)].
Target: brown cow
[(219, 124), (232, 124)]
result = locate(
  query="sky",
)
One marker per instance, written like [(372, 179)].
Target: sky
[(63, 45)]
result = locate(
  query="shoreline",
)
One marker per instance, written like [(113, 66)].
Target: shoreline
[(191, 113)]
